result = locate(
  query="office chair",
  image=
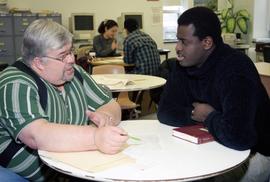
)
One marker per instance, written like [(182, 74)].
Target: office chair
[(266, 53), (82, 58), (123, 98), (164, 69), (83, 51)]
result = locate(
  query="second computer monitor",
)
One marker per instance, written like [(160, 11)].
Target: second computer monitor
[(127, 15)]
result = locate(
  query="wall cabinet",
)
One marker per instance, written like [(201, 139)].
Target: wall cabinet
[(6, 39), (12, 27)]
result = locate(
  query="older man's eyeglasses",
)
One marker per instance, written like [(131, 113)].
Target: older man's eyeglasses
[(62, 58)]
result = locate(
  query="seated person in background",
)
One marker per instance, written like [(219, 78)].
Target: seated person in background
[(140, 49), (72, 104), (219, 86), (105, 44)]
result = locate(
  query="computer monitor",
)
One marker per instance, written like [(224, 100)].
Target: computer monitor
[(127, 15), (82, 26)]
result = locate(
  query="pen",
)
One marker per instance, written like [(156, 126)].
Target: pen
[(131, 137)]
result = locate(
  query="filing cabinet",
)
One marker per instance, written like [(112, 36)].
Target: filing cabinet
[(18, 45), (6, 39), (52, 16), (12, 27), (6, 24), (20, 22)]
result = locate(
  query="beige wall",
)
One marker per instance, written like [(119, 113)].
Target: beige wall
[(239, 4), (261, 24), (103, 9)]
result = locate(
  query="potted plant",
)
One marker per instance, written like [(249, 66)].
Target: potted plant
[(232, 21)]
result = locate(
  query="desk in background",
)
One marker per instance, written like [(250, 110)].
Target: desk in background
[(159, 157), (139, 82), (110, 60), (264, 71), (164, 52), (259, 46), (242, 47)]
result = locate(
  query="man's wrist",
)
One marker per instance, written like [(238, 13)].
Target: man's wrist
[(108, 117), (94, 138)]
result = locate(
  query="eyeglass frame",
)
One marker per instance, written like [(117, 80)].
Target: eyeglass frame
[(70, 53)]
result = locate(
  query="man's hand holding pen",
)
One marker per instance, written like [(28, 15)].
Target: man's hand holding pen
[(108, 138)]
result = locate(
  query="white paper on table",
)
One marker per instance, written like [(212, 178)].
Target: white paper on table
[(140, 151), (91, 161), (114, 81)]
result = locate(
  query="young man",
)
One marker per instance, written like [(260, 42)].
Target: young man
[(219, 86), (71, 105), (140, 49)]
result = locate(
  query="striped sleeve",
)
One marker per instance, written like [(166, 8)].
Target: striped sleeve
[(95, 95), (20, 104)]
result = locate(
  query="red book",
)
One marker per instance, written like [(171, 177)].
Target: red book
[(195, 133)]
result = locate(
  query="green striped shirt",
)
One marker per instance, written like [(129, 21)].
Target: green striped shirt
[(20, 105)]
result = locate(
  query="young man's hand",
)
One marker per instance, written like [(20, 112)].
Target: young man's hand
[(201, 111)]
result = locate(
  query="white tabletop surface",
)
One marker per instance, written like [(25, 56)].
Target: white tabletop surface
[(263, 68), (160, 157), (129, 82)]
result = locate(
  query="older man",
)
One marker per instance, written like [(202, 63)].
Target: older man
[(73, 102)]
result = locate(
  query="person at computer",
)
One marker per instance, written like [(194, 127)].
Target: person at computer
[(211, 82), (105, 44), (140, 49), (74, 104)]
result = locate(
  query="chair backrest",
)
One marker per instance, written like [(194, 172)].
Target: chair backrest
[(166, 67), (164, 70), (108, 69), (123, 98), (83, 51), (266, 53), (83, 62)]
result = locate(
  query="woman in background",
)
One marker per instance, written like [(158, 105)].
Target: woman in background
[(105, 44)]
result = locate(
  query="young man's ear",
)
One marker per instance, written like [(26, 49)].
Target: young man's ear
[(208, 42)]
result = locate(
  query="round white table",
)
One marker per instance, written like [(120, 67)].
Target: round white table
[(264, 71), (128, 82), (263, 68), (159, 157)]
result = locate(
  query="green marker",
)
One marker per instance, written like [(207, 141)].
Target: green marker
[(132, 137)]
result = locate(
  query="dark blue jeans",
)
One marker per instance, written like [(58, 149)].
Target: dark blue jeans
[(8, 176)]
